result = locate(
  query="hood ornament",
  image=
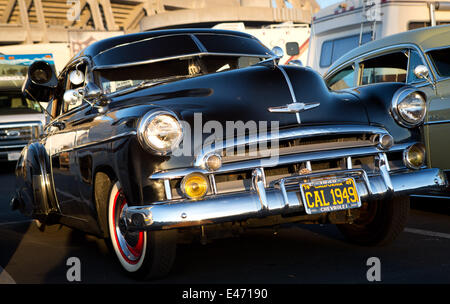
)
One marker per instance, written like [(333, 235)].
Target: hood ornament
[(294, 108)]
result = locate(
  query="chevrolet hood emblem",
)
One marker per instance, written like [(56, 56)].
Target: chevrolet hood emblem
[(295, 107)]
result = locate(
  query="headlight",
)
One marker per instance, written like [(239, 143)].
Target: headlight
[(160, 131), (409, 107)]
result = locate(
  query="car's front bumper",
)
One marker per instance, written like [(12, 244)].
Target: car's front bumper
[(284, 198)]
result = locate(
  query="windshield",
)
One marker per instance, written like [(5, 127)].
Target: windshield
[(441, 61), (117, 79), (15, 103)]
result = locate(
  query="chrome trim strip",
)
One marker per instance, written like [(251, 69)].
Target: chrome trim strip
[(434, 122), (130, 133), (167, 189), (383, 165), (302, 132), (245, 205), (212, 181), (258, 183), (282, 160), (291, 89)]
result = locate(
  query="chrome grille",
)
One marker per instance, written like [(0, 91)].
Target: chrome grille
[(18, 134), (298, 145), (318, 149)]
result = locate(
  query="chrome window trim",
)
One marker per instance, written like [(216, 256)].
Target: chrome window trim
[(379, 52)]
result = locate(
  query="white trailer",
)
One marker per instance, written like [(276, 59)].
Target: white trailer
[(341, 27), (291, 37)]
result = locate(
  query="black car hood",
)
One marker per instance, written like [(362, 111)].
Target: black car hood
[(246, 94)]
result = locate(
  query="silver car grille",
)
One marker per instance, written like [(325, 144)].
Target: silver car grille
[(317, 149), (17, 134)]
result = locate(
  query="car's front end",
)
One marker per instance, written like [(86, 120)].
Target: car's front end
[(21, 120)]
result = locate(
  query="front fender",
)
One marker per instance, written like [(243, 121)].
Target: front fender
[(33, 183)]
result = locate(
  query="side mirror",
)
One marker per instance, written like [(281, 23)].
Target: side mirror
[(422, 72), (72, 97), (277, 52), (40, 82), (296, 62)]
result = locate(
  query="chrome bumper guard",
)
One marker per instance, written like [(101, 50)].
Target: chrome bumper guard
[(283, 198)]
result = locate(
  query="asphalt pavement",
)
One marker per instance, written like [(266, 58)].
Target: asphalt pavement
[(293, 254)]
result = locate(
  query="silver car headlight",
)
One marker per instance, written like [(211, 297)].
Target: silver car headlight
[(160, 132), (409, 107)]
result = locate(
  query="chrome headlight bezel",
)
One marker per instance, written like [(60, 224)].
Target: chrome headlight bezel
[(145, 141), (399, 97)]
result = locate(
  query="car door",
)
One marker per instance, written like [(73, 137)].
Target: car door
[(437, 122), (60, 145)]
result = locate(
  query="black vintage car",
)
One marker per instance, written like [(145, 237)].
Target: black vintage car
[(139, 149)]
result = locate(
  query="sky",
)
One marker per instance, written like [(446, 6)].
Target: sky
[(324, 3)]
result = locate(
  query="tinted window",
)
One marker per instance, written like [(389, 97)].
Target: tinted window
[(343, 79), (441, 61), (155, 48), (333, 49), (387, 68), (231, 44)]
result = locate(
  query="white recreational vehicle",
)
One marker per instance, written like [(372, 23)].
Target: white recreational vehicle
[(338, 28), (293, 38)]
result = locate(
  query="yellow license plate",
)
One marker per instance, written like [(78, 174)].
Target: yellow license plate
[(330, 195)]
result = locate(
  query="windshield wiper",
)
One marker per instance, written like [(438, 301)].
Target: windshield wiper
[(149, 83)]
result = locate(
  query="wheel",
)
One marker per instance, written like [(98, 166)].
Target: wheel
[(144, 255), (379, 224)]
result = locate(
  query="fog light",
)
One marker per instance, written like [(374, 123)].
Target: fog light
[(213, 162), (194, 185), (414, 156)]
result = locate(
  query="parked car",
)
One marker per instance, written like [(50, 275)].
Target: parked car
[(420, 58), (21, 120), (122, 157)]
